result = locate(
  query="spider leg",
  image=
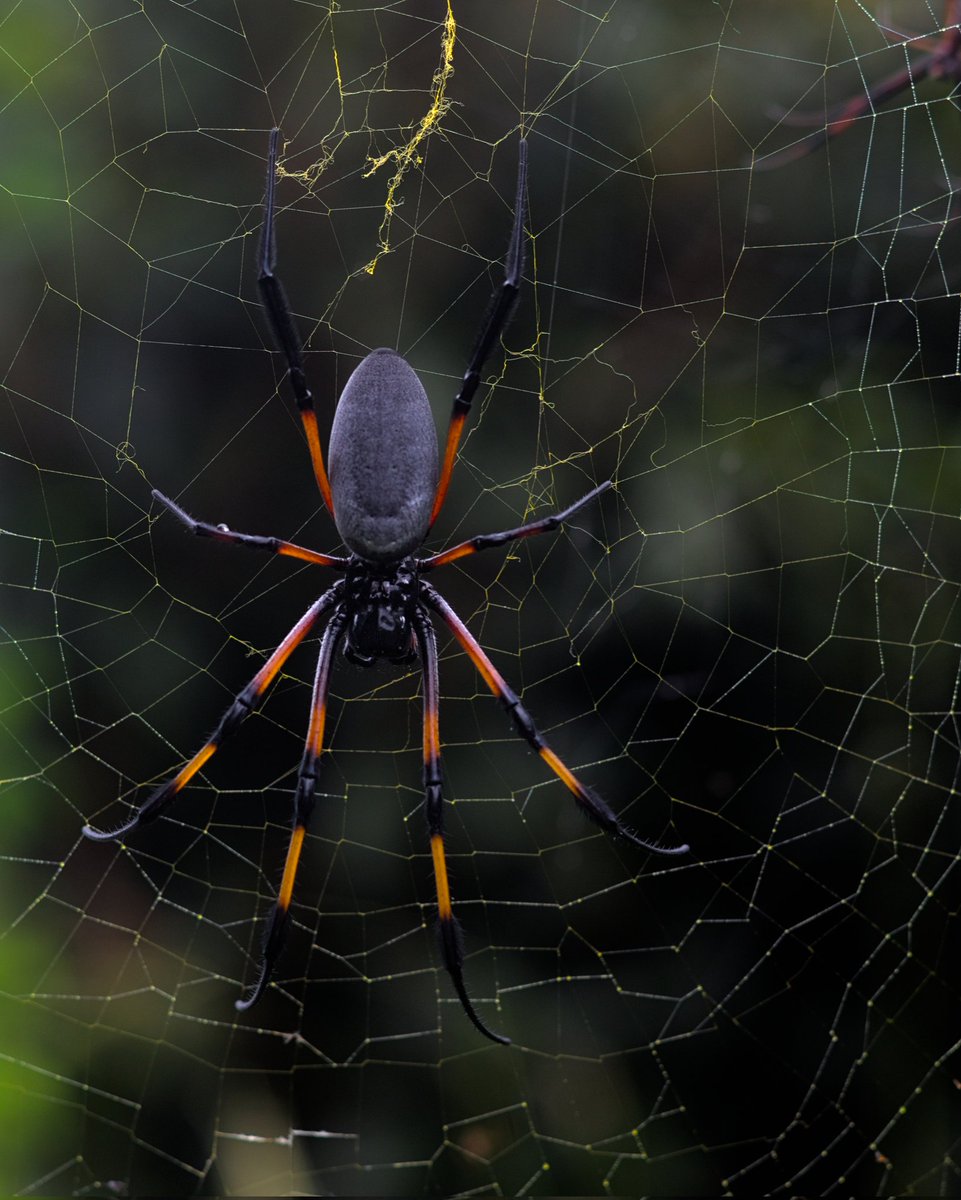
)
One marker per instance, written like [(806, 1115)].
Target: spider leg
[(498, 312), (282, 325), (257, 542), (587, 800), (449, 932), (241, 707), (485, 540), (304, 797)]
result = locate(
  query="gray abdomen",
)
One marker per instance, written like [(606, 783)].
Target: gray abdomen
[(383, 459)]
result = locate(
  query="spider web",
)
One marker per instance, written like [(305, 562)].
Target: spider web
[(751, 644)]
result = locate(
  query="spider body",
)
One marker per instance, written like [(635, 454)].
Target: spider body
[(383, 499), (380, 604), (384, 493)]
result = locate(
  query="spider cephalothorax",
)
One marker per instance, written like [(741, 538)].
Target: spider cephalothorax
[(384, 493), (380, 605)]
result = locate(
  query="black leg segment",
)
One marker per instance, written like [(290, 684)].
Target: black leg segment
[(498, 313), (485, 540), (282, 325), (255, 541), (241, 707), (449, 933), (304, 798), (587, 799)]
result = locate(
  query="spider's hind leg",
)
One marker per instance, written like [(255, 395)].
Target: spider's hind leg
[(449, 931), (593, 807), (241, 707), (304, 798)]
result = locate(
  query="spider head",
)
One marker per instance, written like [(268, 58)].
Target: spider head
[(380, 603)]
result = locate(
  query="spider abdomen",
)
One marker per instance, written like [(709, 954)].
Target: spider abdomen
[(383, 459)]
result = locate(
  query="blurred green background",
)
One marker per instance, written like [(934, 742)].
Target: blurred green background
[(751, 645)]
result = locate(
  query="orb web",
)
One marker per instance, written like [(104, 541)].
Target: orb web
[(747, 319)]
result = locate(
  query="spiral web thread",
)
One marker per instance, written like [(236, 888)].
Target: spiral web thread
[(751, 644)]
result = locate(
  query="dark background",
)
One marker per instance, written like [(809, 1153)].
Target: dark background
[(751, 644)]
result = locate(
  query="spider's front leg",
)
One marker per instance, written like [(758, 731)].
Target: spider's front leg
[(284, 329), (498, 314)]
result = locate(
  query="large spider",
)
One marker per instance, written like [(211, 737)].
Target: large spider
[(384, 493)]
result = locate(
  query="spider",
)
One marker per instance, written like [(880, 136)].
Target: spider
[(942, 61), (384, 491)]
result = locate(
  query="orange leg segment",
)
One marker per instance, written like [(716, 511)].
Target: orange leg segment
[(588, 800), (255, 541), (449, 931), (485, 540), (304, 797), (242, 706)]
